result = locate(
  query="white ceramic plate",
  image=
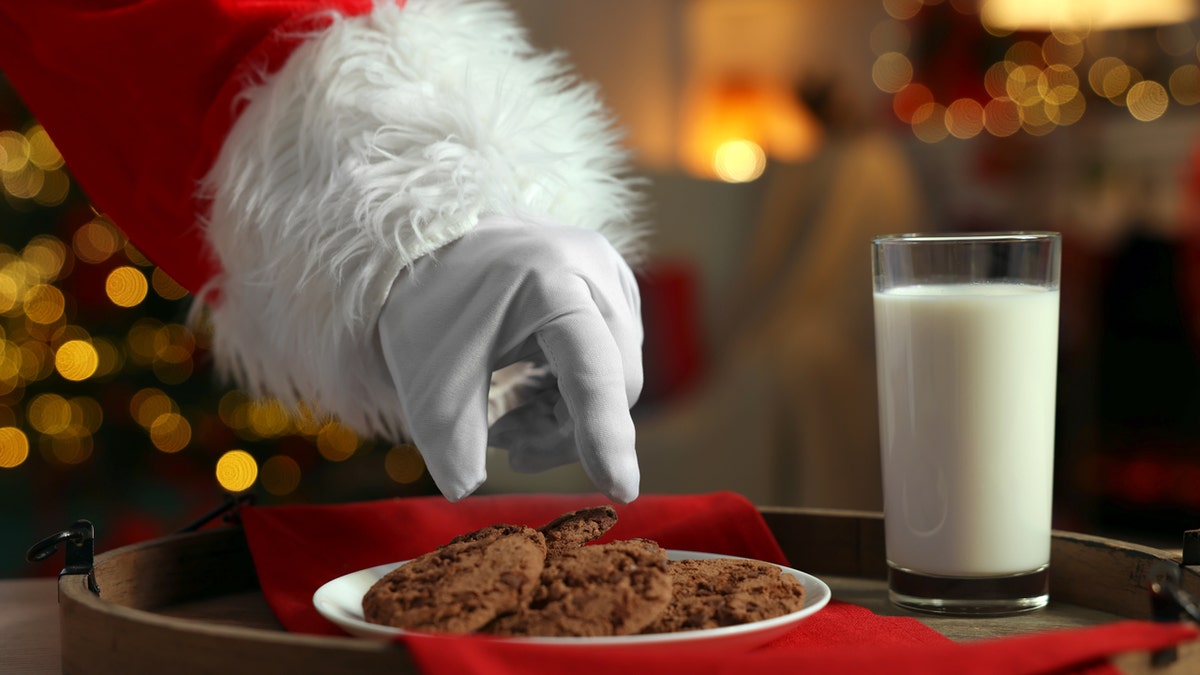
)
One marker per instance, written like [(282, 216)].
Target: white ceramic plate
[(340, 601)]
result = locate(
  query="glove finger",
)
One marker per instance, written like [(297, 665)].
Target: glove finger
[(622, 315), (446, 415), (591, 378)]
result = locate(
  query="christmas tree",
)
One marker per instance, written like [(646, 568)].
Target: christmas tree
[(109, 409)]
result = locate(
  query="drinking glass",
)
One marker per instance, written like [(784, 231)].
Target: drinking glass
[(966, 329)]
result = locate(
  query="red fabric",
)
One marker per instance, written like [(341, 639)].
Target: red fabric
[(138, 96), (296, 549)]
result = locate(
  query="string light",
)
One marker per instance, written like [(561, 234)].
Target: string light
[(14, 447), (1035, 88), (336, 443), (236, 471), (126, 286), (170, 432), (404, 464), (76, 360), (41, 343), (280, 475)]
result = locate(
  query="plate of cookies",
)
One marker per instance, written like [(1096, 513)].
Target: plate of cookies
[(552, 585)]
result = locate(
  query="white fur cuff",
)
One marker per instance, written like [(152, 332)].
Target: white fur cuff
[(384, 137)]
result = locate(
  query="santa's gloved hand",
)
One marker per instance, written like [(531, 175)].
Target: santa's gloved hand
[(510, 292)]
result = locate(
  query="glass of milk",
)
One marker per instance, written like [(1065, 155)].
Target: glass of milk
[(966, 329)]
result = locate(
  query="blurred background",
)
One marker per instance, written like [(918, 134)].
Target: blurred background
[(776, 138)]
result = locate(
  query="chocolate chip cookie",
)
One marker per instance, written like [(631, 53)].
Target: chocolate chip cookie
[(604, 589), (726, 592), (574, 529), (464, 585)]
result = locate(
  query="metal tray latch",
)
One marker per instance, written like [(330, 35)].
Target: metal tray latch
[(80, 551), (1168, 600)]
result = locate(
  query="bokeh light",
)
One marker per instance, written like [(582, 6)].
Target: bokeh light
[(1056, 51), (44, 304), (142, 339), (739, 161), (37, 361), (336, 443), (404, 464), (14, 447), (1022, 85), (126, 286), (1026, 52), (66, 449), (995, 80), (109, 359), (76, 360), (96, 241), (1185, 84), (49, 414), (234, 410), (236, 471), (46, 257), (892, 72), (86, 413), (929, 123), (147, 404), (280, 475), (902, 9), (964, 118), (909, 100), (170, 432), (1100, 70), (165, 286), (54, 190), (41, 150), (269, 419), (1147, 100), (14, 151), (1067, 112), (1058, 84)]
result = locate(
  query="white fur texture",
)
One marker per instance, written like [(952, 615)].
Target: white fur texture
[(384, 137)]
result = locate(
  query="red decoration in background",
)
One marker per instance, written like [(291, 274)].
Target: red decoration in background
[(954, 53), (673, 356)]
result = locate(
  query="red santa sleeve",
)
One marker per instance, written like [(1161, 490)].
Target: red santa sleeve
[(285, 160)]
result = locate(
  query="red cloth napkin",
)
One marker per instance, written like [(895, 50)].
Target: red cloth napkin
[(296, 549)]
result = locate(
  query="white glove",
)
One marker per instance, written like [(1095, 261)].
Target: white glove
[(510, 292)]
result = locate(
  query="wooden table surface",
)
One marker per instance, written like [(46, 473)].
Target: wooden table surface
[(29, 627), (29, 631)]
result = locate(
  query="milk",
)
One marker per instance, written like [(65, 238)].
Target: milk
[(966, 407)]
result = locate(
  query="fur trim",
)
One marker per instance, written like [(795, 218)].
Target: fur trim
[(384, 137)]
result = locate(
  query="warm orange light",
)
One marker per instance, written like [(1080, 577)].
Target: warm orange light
[(170, 432), (236, 470), (404, 464), (14, 447), (764, 113), (1147, 100), (95, 241), (1043, 15), (336, 443), (280, 475), (739, 161), (76, 360), (126, 286)]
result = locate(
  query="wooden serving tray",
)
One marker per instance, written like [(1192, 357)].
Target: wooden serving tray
[(190, 603)]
